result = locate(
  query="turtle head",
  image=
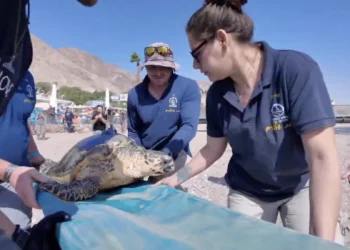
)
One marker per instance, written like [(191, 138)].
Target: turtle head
[(138, 161), (156, 163)]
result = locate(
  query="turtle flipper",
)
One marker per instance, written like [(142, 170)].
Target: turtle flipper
[(73, 191)]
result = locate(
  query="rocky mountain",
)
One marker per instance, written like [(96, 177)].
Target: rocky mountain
[(78, 68)]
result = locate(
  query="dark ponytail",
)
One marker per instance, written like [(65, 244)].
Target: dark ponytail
[(221, 14)]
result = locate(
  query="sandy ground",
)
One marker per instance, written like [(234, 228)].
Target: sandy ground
[(210, 184)]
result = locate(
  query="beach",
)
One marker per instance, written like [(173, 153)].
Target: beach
[(210, 184)]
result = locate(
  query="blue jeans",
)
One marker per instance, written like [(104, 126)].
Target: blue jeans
[(13, 207)]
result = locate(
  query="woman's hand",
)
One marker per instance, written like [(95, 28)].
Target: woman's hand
[(171, 181), (22, 180)]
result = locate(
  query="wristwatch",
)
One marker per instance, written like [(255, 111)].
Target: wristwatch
[(9, 172), (20, 237)]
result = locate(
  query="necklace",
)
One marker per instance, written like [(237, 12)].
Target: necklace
[(239, 95), (251, 73)]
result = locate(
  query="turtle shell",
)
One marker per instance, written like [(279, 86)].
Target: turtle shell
[(95, 144)]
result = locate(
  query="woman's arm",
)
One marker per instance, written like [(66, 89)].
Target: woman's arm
[(312, 117), (103, 119), (325, 186), (210, 153)]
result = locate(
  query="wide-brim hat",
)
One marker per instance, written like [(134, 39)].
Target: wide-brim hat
[(160, 60)]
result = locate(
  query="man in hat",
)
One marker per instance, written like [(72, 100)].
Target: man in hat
[(163, 110)]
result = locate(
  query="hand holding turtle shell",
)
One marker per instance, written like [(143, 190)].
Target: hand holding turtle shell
[(22, 180)]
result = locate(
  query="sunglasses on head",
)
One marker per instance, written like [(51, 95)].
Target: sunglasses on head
[(161, 50)]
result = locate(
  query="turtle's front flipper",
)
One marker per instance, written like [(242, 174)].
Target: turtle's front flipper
[(73, 191)]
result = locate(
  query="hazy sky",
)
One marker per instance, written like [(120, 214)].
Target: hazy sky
[(113, 29)]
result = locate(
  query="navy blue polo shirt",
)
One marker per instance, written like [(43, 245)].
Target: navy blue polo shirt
[(14, 123), (168, 124), (268, 159)]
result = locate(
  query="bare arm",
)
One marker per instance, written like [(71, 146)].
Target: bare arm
[(210, 153), (32, 145), (325, 187), (103, 119), (6, 225), (94, 119)]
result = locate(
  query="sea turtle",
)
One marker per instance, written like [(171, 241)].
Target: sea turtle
[(102, 162)]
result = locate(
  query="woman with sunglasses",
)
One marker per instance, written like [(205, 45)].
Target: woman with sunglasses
[(272, 107)]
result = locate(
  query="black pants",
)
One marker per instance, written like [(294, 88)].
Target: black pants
[(70, 127)]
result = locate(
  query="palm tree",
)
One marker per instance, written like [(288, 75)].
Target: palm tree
[(135, 58)]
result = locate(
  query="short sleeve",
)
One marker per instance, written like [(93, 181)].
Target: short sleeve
[(214, 126), (310, 103)]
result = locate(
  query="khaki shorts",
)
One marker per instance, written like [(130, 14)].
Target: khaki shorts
[(294, 212)]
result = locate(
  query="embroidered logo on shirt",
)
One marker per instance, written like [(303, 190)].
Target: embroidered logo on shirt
[(278, 115), (29, 91), (173, 102)]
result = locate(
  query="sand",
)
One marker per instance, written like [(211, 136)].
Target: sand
[(208, 185)]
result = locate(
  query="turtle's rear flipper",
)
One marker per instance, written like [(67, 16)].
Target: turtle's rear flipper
[(73, 191)]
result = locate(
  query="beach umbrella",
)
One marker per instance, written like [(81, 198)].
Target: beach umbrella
[(107, 99), (53, 98)]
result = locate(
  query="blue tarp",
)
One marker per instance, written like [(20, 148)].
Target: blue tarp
[(141, 217)]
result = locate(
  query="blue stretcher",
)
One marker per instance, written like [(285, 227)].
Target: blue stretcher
[(141, 217)]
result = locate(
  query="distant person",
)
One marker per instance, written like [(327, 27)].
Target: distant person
[(41, 126), (123, 122), (163, 110), (99, 120), (51, 115), (110, 115), (59, 116), (68, 116), (273, 108)]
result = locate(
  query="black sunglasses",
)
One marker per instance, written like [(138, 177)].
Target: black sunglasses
[(194, 51)]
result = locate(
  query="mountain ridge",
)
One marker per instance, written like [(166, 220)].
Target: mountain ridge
[(75, 67)]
